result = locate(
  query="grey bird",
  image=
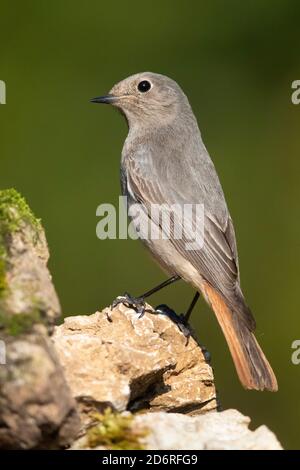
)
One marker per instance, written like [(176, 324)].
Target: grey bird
[(164, 161)]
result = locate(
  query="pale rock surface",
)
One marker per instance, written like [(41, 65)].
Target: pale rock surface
[(226, 430), (116, 358)]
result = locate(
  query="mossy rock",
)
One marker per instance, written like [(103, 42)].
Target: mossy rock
[(20, 323), (115, 431), (14, 214), (3, 282)]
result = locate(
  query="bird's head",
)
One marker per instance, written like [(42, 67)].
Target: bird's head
[(146, 98)]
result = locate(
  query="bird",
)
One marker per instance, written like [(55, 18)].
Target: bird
[(165, 162)]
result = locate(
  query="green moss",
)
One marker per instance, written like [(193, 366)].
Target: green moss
[(115, 431), (18, 323), (14, 211), (3, 283), (14, 215)]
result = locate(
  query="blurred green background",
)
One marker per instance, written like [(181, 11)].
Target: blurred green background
[(236, 62)]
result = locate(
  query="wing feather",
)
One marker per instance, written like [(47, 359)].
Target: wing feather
[(216, 260)]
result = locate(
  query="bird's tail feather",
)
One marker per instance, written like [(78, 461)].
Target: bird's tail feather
[(253, 369)]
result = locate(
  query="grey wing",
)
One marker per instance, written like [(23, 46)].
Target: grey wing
[(216, 260)]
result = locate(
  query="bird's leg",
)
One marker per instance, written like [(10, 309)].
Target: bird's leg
[(187, 315), (180, 320), (138, 303), (160, 286)]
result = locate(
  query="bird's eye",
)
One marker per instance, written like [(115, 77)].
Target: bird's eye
[(144, 86)]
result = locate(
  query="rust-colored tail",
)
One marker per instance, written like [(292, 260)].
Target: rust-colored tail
[(252, 367)]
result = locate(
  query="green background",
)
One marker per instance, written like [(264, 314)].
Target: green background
[(236, 62)]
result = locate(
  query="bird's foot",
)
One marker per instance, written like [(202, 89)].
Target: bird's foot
[(136, 303), (178, 319)]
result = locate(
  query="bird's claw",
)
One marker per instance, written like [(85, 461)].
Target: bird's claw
[(136, 303), (178, 319)]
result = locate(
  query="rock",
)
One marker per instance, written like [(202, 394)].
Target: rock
[(36, 409), (226, 430), (27, 294), (114, 358)]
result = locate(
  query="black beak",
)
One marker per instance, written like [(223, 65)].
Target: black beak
[(108, 99)]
